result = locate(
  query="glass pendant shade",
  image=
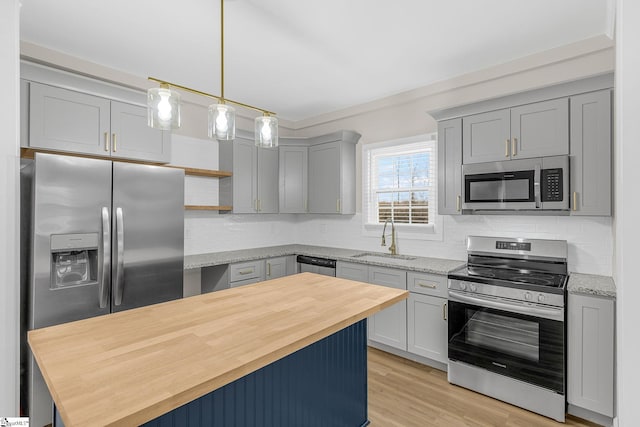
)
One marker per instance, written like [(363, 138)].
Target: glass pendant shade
[(222, 122), (266, 131), (163, 108)]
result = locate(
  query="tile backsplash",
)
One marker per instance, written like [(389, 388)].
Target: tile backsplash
[(590, 239)]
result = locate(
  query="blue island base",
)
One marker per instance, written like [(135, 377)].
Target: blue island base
[(323, 385)]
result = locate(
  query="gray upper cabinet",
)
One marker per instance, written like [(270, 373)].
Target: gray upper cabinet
[(591, 153), (486, 137), (540, 129), (66, 120), (450, 167), (531, 130), (253, 188), (332, 175), (132, 138), (293, 178)]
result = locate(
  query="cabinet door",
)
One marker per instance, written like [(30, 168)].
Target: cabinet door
[(245, 165), (131, 138), (324, 178), (540, 129), (450, 167), (275, 267), (591, 154), (267, 180), (293, 179), (352, 271), (427, 326), (65, 120), (486, 137), (590, 350), (390, 325)]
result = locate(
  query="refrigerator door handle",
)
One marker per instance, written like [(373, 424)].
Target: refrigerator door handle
[(105, 265), (119, 283)]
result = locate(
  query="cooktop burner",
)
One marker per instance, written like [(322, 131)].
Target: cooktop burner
[(520, 276)]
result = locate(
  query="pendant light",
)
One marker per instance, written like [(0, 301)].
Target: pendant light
[(163, 108)]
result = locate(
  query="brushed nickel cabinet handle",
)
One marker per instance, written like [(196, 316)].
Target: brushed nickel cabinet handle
[(444, 311), (115, 142), (427, 285), (506, 148), (269, 269), (245, 272), (514, 145), (458, 203), (575, 200), (106, 141)]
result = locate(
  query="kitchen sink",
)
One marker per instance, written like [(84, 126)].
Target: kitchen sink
[(373, 256)]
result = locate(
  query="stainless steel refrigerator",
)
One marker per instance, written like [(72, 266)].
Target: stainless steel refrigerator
[(102, 237)]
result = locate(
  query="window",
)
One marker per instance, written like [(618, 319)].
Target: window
[(399, 182)]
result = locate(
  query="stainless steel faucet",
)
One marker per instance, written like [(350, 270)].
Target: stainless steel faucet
[(392, 248)]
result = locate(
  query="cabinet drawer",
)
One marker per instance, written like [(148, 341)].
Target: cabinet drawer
[(428, 284), (245, 282), (246, 270)]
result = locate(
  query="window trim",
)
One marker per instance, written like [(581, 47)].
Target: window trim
[(405, 231)]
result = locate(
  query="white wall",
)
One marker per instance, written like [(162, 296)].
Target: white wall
[(9, 210), (627, 208)]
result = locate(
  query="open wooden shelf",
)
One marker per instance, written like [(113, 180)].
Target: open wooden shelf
[(202, 172), (207, 208)]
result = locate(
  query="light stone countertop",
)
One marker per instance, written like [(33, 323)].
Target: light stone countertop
[(591, 284), (421, 264)]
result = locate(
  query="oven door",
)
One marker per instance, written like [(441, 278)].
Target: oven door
[(502, 190), (510, 338)]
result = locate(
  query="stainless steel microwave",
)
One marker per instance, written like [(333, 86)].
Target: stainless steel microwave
[(532, 185)]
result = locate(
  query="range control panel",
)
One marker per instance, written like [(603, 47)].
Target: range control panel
[(551, 185), (513, 246)]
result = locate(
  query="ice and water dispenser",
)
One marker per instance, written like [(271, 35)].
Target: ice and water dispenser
[(74, 260)]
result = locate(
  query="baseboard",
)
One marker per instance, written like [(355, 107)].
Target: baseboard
[(588, 415), (406, 355)]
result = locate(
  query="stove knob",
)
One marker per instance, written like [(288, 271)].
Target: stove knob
[(527, 296), (463, 286), (540, 298), (472, 287)]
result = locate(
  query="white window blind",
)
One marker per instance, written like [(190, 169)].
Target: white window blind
[(401, 183)]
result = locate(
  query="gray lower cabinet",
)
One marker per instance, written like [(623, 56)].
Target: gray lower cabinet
[(245, 273), (450, 167), (390, 325), (293, 167), (278, 267), (590, 353), (531, 130), (352, 271), (253, 188), (332, 178), (590, 157), (66, 120), (417, 325), (427, 326)]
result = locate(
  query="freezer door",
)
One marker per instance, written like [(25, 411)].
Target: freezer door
[(71, 207), (148, 235)]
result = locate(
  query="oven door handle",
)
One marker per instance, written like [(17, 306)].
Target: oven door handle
[(536, 186), (547, 313)]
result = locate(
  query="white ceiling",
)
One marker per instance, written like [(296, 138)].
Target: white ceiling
[(305, 58)]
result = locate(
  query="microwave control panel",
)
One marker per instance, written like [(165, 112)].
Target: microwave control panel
[(552, 185)]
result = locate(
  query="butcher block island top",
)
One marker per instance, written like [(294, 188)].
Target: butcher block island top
[(130, 367)]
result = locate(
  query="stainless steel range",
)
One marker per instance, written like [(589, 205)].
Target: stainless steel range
[(507, 322)]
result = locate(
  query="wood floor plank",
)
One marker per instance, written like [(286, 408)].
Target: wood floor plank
[(403, 393)]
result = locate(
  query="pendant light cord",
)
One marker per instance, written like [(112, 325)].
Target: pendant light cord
[(222, 49)]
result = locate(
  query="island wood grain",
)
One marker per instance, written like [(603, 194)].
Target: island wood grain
[(130, 367)]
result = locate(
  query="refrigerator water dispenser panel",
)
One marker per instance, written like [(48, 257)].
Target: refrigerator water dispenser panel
[(74, 260)]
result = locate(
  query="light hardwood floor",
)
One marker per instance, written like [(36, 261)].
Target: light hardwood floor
[(403, 393)]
